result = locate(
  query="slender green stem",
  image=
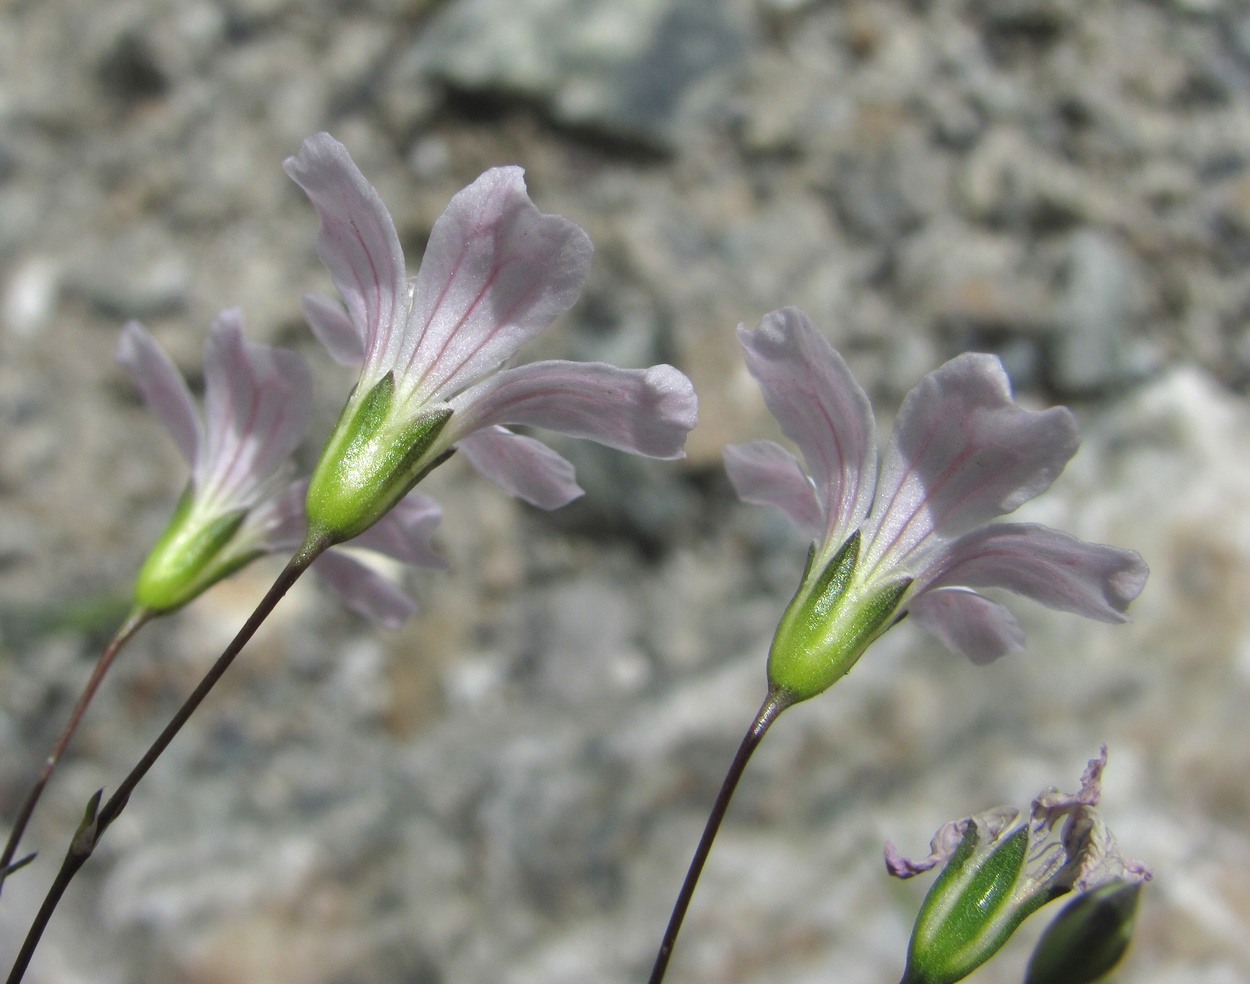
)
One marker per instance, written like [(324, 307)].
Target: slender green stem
[(134, 622), (96, 823), (773, 705)]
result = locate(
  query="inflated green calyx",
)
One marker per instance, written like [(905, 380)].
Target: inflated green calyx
[(371, 462)]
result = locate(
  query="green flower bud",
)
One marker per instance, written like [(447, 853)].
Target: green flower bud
[(1088, 938), (830, 622), (371, 462), (195, 552)]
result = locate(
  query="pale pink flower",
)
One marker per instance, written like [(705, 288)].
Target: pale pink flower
[(431, 348), (912, 537), (240, 502)]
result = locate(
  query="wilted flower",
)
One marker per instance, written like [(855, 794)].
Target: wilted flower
[(496, 273), (998, 873), (241, 502), (912, 539)]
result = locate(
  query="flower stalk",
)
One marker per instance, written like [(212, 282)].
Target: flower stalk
[(134, 622), (773, 705), (97, 821)]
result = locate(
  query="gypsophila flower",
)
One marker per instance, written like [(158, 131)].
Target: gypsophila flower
[(911, 539), (998, 872), (496, 273), (240, 502)]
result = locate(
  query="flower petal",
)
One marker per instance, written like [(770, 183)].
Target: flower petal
[(257, 403), (163, 388), (963, 453), (404, 533), (1046, 565), (521, 466), (642, 411), (496, 272), (968, 623), (765, 473), (357, 243), (822, 409), (335, 330), (364, 590)]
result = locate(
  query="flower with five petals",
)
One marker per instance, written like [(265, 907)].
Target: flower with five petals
[(496, 273), (911, 537)]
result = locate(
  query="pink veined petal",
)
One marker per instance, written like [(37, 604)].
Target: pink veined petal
[(521, 466), (968, 623), (962, 453), (357, 243), (822, 409), (364, 590), (335, 330), (257, 403), (163, 388), (642, 411), (1051, 567), (404, 533), (766, 474), (496, 272)]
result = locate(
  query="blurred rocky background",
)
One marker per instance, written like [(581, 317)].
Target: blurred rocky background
[(507, 790)]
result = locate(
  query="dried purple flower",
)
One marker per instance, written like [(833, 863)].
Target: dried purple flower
[(912, 539), (997, 873)]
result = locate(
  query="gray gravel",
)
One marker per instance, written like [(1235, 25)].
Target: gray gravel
[(507, 790)]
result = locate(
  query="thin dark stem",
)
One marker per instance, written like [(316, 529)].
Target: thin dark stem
[(134, 622), (773, 705), (96, 823)]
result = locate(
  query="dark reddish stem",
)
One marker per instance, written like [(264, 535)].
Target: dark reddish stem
[(773, 705), (134, 622), (95, 823)]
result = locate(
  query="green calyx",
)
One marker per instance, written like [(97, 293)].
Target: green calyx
[(192, 554), (1088, 938), (978, 901), (830, 622), (371, 462)]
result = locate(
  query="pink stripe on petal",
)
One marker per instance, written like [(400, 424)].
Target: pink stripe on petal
[(822, 409), (257, 404), (357, 243), (496, 272), (962, 453), (642, 411), (1046, 565)]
